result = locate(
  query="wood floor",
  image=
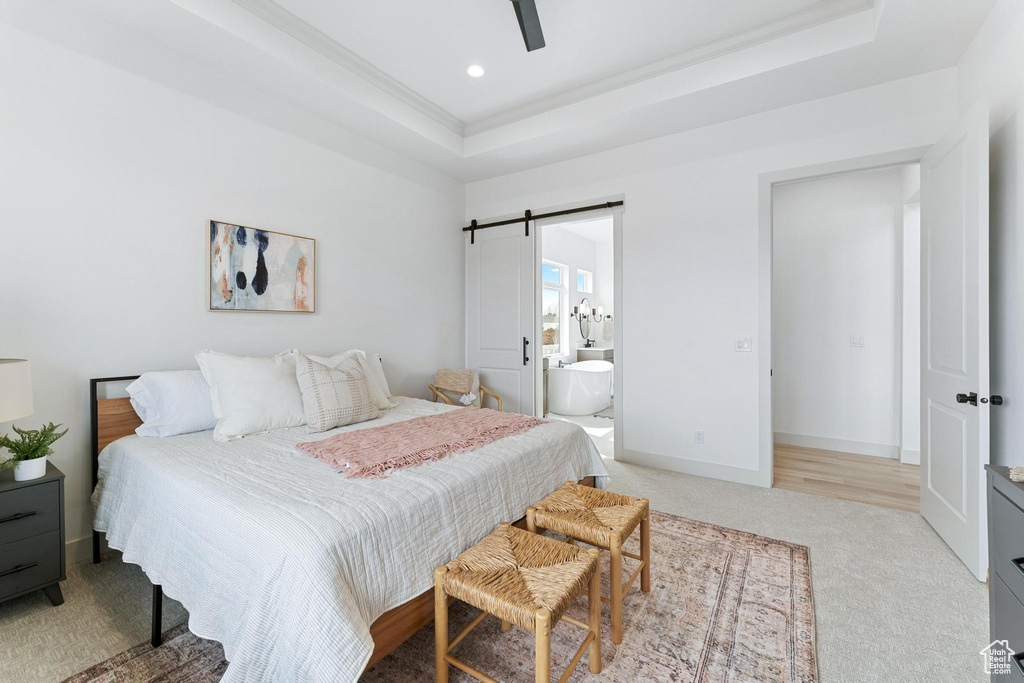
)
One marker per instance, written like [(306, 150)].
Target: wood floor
[(860, 478)]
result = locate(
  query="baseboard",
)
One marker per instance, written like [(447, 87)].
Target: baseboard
[(910, 457), (700, 468), (78, 550), (879, 450)]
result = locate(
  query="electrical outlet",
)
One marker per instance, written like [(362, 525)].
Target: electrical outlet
[(857, 340), (698, 436)]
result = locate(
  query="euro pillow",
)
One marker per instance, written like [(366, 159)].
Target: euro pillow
[(252, 395), (172, 403), (380, 395), (334, 395)]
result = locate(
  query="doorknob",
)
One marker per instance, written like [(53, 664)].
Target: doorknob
[(971, 398), (997, 400)]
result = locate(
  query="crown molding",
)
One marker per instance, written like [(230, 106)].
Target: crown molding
[(798, 21), (286, 22)]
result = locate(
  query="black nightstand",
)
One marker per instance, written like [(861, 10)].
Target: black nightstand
[(32, 535)]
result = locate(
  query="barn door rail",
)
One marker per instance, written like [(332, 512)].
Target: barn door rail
[(529, 216)]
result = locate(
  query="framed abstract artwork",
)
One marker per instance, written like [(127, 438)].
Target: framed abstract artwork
[(260, 270)]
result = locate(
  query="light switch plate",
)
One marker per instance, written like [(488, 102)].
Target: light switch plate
[(857, 340), (743, 344)]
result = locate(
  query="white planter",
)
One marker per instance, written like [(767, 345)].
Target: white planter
[(30, 469)]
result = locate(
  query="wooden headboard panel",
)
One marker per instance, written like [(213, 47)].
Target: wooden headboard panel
[(112, 418)]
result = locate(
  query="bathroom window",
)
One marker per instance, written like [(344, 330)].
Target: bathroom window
[(553, 279), (584, 281)]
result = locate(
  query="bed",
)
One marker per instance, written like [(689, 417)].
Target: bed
[(300, 573)]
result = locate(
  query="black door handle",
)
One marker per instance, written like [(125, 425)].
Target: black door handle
[(971, 398), (526, 342), (997, 400)]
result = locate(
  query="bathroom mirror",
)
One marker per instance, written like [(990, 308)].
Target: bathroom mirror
[(584, 318)]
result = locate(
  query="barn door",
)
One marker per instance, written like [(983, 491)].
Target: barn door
[(501, 315)]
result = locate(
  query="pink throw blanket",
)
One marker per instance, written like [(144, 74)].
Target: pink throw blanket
[(372, 452)]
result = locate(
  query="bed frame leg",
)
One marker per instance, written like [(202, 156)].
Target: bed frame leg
[(158, 613), (95, 547)]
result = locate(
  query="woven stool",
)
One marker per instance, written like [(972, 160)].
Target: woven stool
[(523, 579), (605, 520)]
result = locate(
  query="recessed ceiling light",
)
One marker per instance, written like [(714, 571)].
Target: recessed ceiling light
[(475, 70)]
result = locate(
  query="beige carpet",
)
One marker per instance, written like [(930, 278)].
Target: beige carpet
[(725, 605)]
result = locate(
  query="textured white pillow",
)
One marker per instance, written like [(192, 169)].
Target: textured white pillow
[(252, 395), (334, 396), (171, 403), (378, 394)]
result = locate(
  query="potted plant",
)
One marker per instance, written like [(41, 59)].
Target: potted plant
[(28, 453)]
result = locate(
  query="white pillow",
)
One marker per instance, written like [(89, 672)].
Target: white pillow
[(252, 395), (171, 403), (377, 373), (378, 394), (334, 396)]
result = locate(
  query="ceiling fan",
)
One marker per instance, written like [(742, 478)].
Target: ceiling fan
[(529, 24)]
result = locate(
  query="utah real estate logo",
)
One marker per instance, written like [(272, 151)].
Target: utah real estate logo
[(998, 656)]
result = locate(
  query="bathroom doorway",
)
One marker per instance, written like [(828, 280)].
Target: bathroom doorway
[(577, 326)]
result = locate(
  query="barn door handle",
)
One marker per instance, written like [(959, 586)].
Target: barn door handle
[(971, 398), (526, 342)]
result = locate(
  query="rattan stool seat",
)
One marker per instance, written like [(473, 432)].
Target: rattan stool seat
[(589, 514), (513, 574)]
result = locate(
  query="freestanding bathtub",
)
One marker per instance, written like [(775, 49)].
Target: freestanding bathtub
[(582, 388)]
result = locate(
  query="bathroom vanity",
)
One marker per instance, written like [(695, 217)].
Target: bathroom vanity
[(595, 353)]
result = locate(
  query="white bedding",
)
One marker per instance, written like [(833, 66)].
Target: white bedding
[(286, 562)]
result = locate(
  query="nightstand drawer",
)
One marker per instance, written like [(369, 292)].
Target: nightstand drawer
[(1006, 621), (1008, 554), (29, 563), (29, 511)]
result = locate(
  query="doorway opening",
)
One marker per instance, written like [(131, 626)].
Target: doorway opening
[(846, 339), (577, 326)]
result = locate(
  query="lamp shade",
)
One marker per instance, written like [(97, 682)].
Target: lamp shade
[(15, 389)]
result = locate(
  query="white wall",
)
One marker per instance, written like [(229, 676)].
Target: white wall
[(106, 184), (604, 290), (574, 252), (910, 433), (837, 270), (992, 72), (690, 255)]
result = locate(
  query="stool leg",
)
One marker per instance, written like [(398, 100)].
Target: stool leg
[(505, 626), (440, 626), (616, 586), (531, 524), (594, 603), (645, 549), (543, 670)]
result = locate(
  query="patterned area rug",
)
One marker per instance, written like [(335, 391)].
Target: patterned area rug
[(725, 605)]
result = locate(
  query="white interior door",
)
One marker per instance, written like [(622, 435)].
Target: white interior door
[(500, 313), (954, 338)]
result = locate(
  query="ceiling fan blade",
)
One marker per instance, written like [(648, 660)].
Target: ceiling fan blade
[(529, 24)]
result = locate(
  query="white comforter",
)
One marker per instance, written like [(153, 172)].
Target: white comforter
[(286, 562)]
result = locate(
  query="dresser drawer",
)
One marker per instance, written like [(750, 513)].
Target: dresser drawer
[(1008, 535), (29, 511), (29, 563), (1006, 620)]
